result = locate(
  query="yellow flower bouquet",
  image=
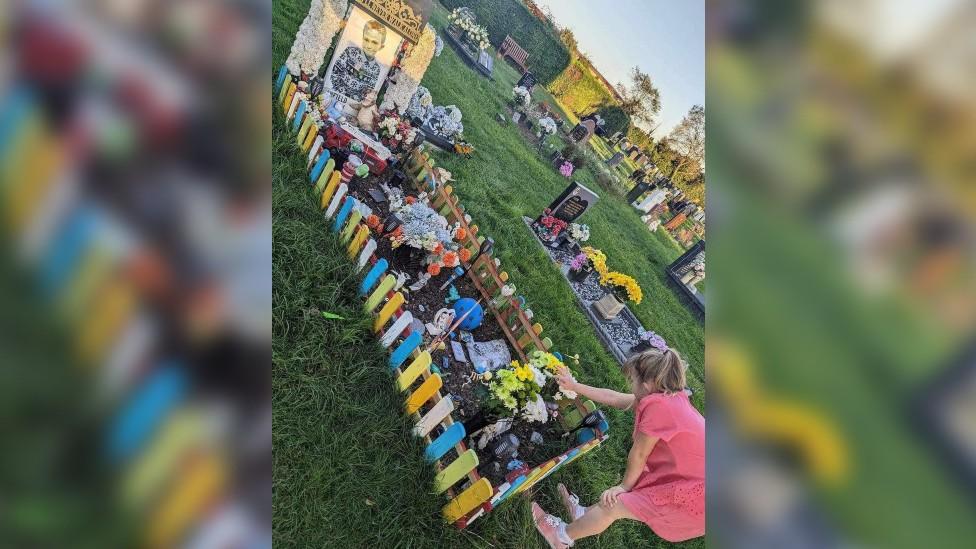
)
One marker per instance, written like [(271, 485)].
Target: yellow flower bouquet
[(623, 286)]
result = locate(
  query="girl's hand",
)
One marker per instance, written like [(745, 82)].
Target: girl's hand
[(565, 379), (611, 495)]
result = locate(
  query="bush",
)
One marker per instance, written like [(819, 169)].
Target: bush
[(614, 118), (548, 55), (575, 154)]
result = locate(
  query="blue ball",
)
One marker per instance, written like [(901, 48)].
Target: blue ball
[(473, 320)]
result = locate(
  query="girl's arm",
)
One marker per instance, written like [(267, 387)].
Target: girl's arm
[(637, 459), (608, 397)]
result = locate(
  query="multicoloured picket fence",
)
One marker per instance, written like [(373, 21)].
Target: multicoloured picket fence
[(470, 495)]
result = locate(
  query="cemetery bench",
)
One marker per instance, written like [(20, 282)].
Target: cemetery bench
[(514, 52)]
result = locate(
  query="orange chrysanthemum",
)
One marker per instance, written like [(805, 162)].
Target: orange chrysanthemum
[(434, 269)]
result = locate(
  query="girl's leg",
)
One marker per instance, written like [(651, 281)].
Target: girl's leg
[(596, 519)]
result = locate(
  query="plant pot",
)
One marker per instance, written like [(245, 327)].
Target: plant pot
[(608, 306)]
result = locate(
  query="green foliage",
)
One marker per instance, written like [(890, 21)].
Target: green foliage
[(579, 90), (548, 56), (616, 120)]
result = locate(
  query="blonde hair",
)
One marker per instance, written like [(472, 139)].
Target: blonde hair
[(373, 25), (663, 369)]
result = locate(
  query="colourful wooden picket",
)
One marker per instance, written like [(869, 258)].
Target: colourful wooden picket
[(405, 349), (458, 469), (380, 292), (434, 417), (387, 311), (420, 364), (362, 233), (443, 443), (423, 393), (471, 497)]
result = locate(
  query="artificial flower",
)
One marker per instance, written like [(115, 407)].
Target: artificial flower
[(434, 269)]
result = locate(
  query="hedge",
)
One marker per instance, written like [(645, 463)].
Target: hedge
[(548, 56)]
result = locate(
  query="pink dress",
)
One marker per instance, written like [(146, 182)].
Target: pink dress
[(670, 494)]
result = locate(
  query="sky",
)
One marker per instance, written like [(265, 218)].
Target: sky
[(665, 38)]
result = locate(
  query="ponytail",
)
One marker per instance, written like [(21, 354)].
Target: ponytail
[(663, 369)]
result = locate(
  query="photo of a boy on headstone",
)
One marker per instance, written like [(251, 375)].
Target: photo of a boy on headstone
[(356, 71)]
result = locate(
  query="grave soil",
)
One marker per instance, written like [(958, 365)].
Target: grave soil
[(467, 393)]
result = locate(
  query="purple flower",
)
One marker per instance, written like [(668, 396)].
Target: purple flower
[(578, 262), (654, 340), (566, 169)]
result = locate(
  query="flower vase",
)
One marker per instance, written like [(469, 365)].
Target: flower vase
[(479, 421), (580, 275), (608, 306), (558, 241), (641, 346)]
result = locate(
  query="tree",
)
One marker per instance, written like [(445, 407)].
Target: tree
[(614, 118), (640, 138), (568, 38), (688, 140), (641, 100)]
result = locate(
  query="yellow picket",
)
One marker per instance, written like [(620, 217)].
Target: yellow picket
[(423, 393), (473, 496), (387, 311), (330, 189), (417, 367), (310, 138), (362, 233)]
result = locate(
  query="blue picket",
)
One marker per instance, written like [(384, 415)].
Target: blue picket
[(403, 351), (281, 78), (340, 219), (298, 115), (145, 410), (319, 164), (442, 444), (373, 276)]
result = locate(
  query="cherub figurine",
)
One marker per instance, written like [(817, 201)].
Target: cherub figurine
[(368, 113)]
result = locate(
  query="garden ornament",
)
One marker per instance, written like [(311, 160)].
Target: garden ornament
[(442, 319)]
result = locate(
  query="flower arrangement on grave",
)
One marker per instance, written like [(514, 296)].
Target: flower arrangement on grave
[(623, 287), (579, 232), (413, 65), (445, 122), (648, 339), (423, 229), (566, 169), (521, 97), (463, 19), (551, 225), (519, 390), (395, 131), (598, 259), (579, 262), (547, 127), (314, 36)]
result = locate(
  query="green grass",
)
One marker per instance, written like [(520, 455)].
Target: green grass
[(347, 471)]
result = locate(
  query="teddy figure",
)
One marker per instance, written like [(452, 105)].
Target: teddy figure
[(368, 113)]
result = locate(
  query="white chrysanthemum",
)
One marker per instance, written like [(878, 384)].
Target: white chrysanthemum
[(315, 35), (535, 410)]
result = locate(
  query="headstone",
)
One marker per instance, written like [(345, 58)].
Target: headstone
[(615, 160), (527, 81), (652, 200), (573, 202), (639, 189), (583, 131)]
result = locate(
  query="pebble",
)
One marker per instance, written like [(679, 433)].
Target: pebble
[(421, 308), (536, 437)]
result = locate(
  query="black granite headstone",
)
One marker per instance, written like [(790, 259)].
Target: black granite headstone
[(527, 80), (573, 202)]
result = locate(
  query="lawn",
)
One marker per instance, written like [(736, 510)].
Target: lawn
[(347, 471)]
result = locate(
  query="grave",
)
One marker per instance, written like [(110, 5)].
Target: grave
[(573, 202)]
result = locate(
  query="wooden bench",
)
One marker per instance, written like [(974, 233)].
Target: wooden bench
[(514, 52)]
